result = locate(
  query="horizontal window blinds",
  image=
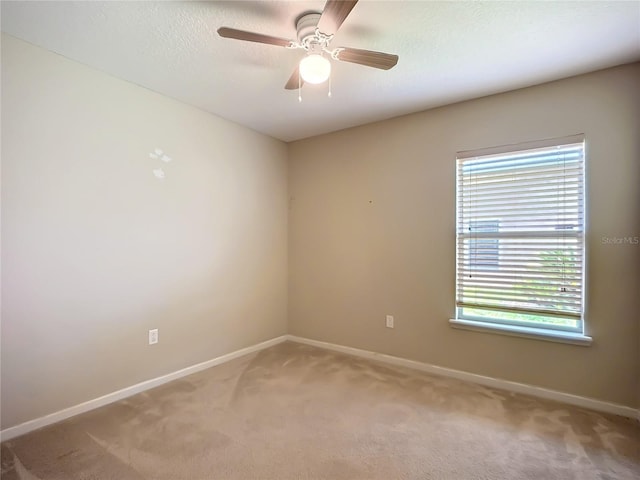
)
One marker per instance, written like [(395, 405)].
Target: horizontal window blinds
[(520, 231)]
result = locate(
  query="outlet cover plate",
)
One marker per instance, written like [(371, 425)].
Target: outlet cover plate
[(153, 336), (389, 321)]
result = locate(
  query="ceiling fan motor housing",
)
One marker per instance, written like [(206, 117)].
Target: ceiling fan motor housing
[(309, 37), (306, 26)]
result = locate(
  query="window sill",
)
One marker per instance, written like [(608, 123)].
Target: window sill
[(525, 332)]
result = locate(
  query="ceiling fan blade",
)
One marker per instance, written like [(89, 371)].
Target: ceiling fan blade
[(227, 32), (334, 13), (294, 80), (384, 61)]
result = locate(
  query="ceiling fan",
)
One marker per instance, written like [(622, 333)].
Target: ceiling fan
[(315, 30)]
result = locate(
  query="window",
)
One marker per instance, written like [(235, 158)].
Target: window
[(520, 238)]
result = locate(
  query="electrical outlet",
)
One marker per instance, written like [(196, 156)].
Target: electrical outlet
[(153, 336), (389, 321)]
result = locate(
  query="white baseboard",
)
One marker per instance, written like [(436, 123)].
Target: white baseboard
[(585, 402), (590, 403), (31, 425)]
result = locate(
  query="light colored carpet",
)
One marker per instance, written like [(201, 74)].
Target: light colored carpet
[(299, 412)]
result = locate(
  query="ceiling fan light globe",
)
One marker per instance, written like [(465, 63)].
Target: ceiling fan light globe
[(315, 68)]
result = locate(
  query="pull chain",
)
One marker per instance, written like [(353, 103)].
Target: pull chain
[(299, 88), (329, 94)]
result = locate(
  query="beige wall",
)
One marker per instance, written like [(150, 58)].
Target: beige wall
[(96, 250), (371, 232)]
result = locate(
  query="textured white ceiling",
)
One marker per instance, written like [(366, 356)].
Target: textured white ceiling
[(449, 51)]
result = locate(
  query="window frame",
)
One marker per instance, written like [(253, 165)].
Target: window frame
[(577, 335)]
